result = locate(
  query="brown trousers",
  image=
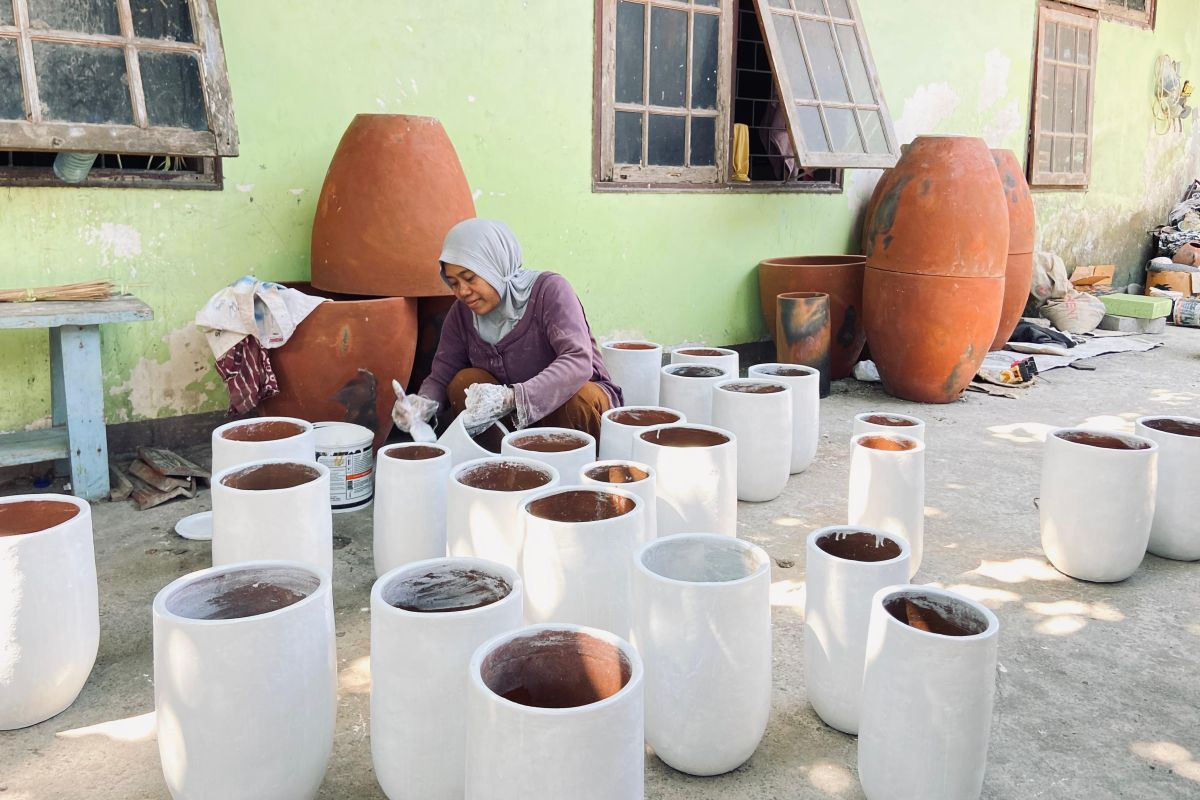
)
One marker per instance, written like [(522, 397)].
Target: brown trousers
[(582, 412)]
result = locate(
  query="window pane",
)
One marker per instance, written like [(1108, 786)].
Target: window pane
[(704, 141), (162, 19), (82, 84), (1064, 100), (811, 130), (793, 56), (705, 42), (6, 15), (83, 16), (1081, 101), (860, 84), (707, 2), (843, 131), (668, 58), (1043, 153), (1048, 42), (1083, 47), (872, 124), (1045, 103), (780, 3), (627, 143), (666, 140), (1061, 160), (830, 83), (1066, 43), (12, 104), (1135, 5), (631, 22), (1079, 159), (811, 7), (840, 9), (171, 83)]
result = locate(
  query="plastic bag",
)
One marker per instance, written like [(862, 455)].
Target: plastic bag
[(1075, 313)]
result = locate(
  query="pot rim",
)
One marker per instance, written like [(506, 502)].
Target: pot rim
[(608, 488), (1138, 452), (159, 606), (762, 559), (757, 398), (607, 416), (494, 568), (989, 616), (666, 371), (85, 512), (917, 421), (588, 440), (810, 373), (651, 472), (847, 260), (814, 550), (540, 466), (381, 453), (802, 295), (238, 423), (611, 345), (725, 351), (218, 479), (729, 434), (920, 445), (1141, 421)]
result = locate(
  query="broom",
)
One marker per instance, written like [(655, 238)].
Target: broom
[(89, 290)]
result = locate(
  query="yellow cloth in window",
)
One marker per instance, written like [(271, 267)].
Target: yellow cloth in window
[(741, 152)]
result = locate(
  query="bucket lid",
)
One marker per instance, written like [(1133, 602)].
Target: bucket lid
[(341, 434)]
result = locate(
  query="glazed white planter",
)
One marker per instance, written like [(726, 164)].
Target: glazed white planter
[(634, 366), (229, 452), (806, 407), (632, 476), (692, 396), (1097, 503), (245, 706), (462, 447), (486, 523), (1175, 532), (419, 661), (915, 427), (702, 625), (618, 426), (887, 488), (292, 524), (49, 617), (587, 745), (846, 566), (410, 504), (726, 358), (567, 462), (762, 424), (697, 477), (926, 701)]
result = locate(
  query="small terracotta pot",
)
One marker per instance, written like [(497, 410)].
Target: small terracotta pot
[(1022, 228), (804, 334)]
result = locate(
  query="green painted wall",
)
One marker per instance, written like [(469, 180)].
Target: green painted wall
[(512, 82)]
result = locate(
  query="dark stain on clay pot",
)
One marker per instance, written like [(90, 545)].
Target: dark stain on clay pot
[(580, 505), (491, 439), (504, 476), (936, 615), (889, 443), (788, 372), (244, 593), (684, 436), (1104, 440), (31, 516), (642, 417), (859, 546), (748, 387), (417, 452), (633, 346), (548, 442), (617, 473), (693, 371), (889, 420), (1180, 427), (446, 589), (262, 477), (262, 431), (556, 669), (702, 351)]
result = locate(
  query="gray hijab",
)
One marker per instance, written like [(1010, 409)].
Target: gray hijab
[(490, 250)]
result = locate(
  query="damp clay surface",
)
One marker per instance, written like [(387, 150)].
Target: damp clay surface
[(787, 372), (693, 371), (643, 417), (446, 589), (702, 351), (31, 516), (1180, 427), (262, 431), (617, 473), (556, 669), (580, 505), (887, 443), (700, 561), (752, 388), (417, 452), (683, 436), (889, 420), (490, 439), (264, 477), (245, 593), (1104, 440), (936, 615), (859, 546), (504, 476), (549, 442), (632, 346)]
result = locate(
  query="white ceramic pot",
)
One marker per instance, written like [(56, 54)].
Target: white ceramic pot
[(1175, 532), (564, 449), (484, 498), (465, 448), (759, 413), (49, 617), (805, 383), (634, 366), (245, 681), (687, 388), (259, 438), (632, 476), (927, 697), (702, 625), (702, 354), (427, 620), (1097, 502), (618, 426), (887, 488), (573, 727), (846, 566), (410, 504), (889, 422), (273, 510), (697, 469)]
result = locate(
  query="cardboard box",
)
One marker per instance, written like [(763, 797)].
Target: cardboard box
[(1186, 283), (1140, 306), (1096, 279)]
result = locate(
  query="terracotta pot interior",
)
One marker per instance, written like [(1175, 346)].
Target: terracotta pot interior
[(642, 417), (934, 614), (580, 505), (617, 473), (788, 372), (633, 346), (709, 352), (683, 436), (748, 387), (31, 516), (889, 420), (1180, 427), (701, 560), (262, 431), (859, 546), (504, 476), (242, 593), (445, 588), (1104, 440), (491, 439), (815, 261), (696, 371), (548, 442), (276, 475), (415, 452), (556, 669), (889, 443)]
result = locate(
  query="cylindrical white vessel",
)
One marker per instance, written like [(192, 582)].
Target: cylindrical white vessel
[(245, 681), (702, 624), (565, 449), (410, 504), (927, 695), (618, 426), (687, 388), (273, 510), (579, 547), (759, 414), (632, 476), (846, 566), (697, 469), (887, 488), (427, 620), (49, 616), (805, 383), (259, 438), (555, 711), (634, 366), (484, 498), (889, 422), (466, 448), (702, 354), (1097, 502), (1175, 531)]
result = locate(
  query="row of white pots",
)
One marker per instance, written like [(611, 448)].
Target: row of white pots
[(636, 366)]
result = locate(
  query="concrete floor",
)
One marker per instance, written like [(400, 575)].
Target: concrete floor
[(1098, 689)]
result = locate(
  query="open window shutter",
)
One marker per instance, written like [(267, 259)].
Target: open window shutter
[(1062, 104)]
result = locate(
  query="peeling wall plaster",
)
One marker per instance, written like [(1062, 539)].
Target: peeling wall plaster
[(171, 386)]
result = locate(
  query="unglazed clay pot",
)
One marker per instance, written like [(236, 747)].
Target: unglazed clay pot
[(427, 620), (703, 354), (464, 447), (1097, 502), (245, 681), (697, 469), (410, 504), (802, 335), (1175, 532), (805, 385), (483, 505), (632, 476), (262, 437), (555, 711), (394, 189), (840, 277), (759, 413), (618, 426), (687, 388), (634, 366), (889, 422), (1022, 229), (887, 488), (49, 616), (702, 624), (927, 693), (565, 449)]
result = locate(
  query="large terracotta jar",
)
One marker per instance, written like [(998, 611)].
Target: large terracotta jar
[(393, 189), (937, 244), (840, 277), (1022, 227)]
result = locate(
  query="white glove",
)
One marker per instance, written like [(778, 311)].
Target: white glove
[(412, 413), (486, 403)]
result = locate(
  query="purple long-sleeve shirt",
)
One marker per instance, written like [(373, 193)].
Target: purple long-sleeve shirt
[(546, 358)]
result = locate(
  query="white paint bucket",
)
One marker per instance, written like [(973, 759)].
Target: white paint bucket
[(346, 449)]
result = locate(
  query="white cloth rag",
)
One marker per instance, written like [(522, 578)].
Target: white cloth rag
[(249, 307)]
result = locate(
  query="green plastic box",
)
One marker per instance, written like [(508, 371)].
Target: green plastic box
[(1136, 305)]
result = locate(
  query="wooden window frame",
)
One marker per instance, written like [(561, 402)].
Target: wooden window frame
[(1138, 19), (209, 176)]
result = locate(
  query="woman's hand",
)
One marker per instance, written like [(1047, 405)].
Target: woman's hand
[(413, 411), (486, 403)]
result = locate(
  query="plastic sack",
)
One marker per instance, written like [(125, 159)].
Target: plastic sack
[(1075, 313), (1050, 279)]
